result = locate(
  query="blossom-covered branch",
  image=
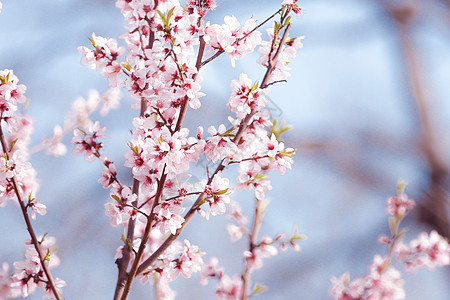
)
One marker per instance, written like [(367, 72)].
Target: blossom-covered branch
[(17, 178)]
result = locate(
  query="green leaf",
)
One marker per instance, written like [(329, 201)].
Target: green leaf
[(163, 18), (254, 87), (221, 192), (228, 132), (123, 238), (13, 143), (47, 256), (115, 197), (169, 14), (259, 288), (296, 236), (127, 66), (401, 185), (202, 200), (287, 21)]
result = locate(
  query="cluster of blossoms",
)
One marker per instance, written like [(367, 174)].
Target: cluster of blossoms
[(18, 182), (165, 48), (28, 275), (384, 281), (79, 116)]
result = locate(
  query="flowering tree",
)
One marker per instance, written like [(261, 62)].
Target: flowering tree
[(166, 46)]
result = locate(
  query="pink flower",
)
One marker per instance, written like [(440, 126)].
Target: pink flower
[(399, 205), (229, 288), (169, 217), (216, 193), (429, 251), (120, 210), (292, 4), (210, 269), (219, 145), (85, 141), (235, 232), (48, 293), (53, 145), (380, 284), (37, 207)]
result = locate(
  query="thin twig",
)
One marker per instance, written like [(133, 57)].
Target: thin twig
[(30, 229), (257, 222), (243, 125), (221, 51)]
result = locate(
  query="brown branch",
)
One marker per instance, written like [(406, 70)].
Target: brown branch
[(257, 222), (435, 208), (221, 51), (237, 138), (122, 263), (148, 227), (30, 229)]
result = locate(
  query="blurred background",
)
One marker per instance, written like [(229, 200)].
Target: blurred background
[(369, 101)]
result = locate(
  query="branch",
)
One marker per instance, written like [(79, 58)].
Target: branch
[(30, 229), (243, 126), (435, 210), (218, 53), (257, 222)]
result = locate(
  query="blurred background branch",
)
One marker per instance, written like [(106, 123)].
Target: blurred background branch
[(434, 207)]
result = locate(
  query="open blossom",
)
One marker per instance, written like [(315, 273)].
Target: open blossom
[(399, 205), (189, 261), (28, 274), (169, 217), (86, 141), (11, 93), (48, 293), (246, 96), (380, 284), (229, 288), (216, 194), (219, 145), (235, 232), (292, 4), (288, 50), (210, 269), (229, 37), (427, 250), (53, 145), (265, 249), (120, 209), (37, 207)]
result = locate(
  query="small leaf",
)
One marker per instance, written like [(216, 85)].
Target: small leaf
[(163, 18), (47, 256), (123, 238), (202, 200), (228, 132), (127, 66), (115, 197), (296, 236), (169, 14), (13, 144), (221, 192), (259, 288), (254, 87), (287, 21)]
